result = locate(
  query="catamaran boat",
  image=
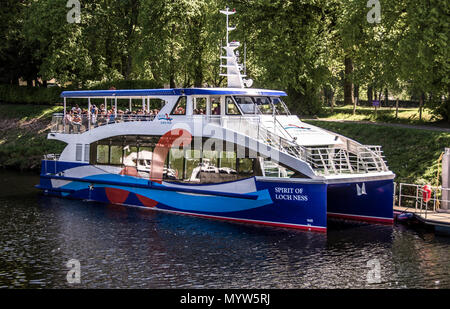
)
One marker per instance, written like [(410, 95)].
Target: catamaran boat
[(233, 153)]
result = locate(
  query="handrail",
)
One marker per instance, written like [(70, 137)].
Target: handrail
[(84, 122), (410, 196)]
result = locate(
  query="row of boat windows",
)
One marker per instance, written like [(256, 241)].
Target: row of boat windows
[(180, 165), (184, 165), (236, 105)]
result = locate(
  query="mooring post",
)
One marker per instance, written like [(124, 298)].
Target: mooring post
[(445, 206)]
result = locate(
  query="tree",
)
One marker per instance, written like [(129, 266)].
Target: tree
[(17, 57), (288, 41)]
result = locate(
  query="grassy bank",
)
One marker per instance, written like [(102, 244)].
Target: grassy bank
[(411, 153), (383, 114), (23, 135)]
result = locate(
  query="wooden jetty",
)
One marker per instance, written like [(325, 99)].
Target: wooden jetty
[(439, 220)]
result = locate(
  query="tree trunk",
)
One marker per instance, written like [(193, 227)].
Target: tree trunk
[(356, 98), (396, 109), (348, 85), (422, 96), (379, 97), (332, 101), (369, 95), (29, 82), (386, 97), (172, 59), (328, 94), (375, 92)]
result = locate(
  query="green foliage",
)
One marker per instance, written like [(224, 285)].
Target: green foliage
[(29, 95), (295, 45)]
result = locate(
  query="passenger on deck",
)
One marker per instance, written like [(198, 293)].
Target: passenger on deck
[(84, 118), (111, 116), (180, 111), (76, 109), (68, 121), (76, 122), (119, 117), (94, 114)]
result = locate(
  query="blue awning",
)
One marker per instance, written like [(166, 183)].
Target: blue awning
[(127, 93)]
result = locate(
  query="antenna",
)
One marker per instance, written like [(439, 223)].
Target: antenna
[(245, 58), (233, 74)]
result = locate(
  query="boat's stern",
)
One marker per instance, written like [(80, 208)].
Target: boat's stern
[(368, 198)]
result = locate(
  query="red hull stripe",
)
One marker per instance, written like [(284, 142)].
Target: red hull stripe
[(362, 218)]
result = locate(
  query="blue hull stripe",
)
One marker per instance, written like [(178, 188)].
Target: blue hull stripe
[(152, 186)]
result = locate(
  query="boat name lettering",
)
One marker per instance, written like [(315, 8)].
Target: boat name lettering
[(290, 194)]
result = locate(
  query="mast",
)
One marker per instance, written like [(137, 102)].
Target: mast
[(233, 68)]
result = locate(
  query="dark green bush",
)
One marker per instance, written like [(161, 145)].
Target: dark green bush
[(51, 95)]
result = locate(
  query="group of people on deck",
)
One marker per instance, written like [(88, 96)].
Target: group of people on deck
[(77, 118)]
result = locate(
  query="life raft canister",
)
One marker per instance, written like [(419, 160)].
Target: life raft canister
[(426, 193)]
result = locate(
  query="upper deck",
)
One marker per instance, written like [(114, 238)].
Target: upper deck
[(256, 113), (181, 103)]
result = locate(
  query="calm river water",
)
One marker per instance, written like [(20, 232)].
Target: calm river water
[(120, 247)]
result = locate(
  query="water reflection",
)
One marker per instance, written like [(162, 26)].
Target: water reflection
[(121, 246)]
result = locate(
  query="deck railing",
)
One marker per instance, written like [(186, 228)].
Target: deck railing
[(336, 160), (355, 159), (411, 196), (83, 123)]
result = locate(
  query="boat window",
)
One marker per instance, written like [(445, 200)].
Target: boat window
[(264, 105), (199, 106), (215, 105), (246, 104), (227, 163), (208, 162), (180, 107), (245, 166), (102, 154), (193, 160), (175, 165), (130, 155), (280, 107), (115, 155), (145, 154), (230, 106), (273, 169)]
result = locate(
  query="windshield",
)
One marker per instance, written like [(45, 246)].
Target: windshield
[(264, 105), (280, 107), (246, 104), (260, 105)]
